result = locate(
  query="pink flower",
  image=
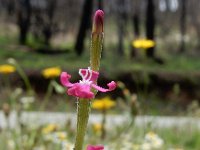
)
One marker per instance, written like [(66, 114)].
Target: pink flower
[(91, 147), (82, 89)]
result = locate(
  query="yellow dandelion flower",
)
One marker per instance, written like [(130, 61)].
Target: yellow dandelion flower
[(151, 135), (7, 69), (138, 43), (103, 104), (49, 128), (61, 136), (51, 72), (148, 44), (143, 43), (97, 127)]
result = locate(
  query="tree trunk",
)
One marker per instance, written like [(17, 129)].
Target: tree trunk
[(10, 6), (47, 31), (136, 25), (121, 19), (183, 25), (24, 14), (150, 26), (84, 26), (136, 18)]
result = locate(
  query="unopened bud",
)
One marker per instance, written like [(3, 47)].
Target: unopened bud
[(98, 22), (6, 109), (120, 84), (135, 108), (134, 99), (11, 61)]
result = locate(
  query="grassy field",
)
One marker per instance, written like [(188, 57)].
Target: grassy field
[(185, 64), (138, 138), (29, 58), (112, 66)]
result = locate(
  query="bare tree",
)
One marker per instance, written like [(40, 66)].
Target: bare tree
[(23, 18), (121, 24), (183, 25), (150, 25), (194, 18), (136, 23), (49, 25), (84, 26), (136, 18), (10, 6)]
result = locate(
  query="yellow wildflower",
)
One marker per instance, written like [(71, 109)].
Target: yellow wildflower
[(49, 128), (138, 43), (103, 104), (143, 43), (154, 140), (97, 127), (51, 72), (148, 44), (61, 136), (67, 146), (151, 135), (7, 69), (136, 146)]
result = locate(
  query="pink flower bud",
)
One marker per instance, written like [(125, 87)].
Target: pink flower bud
[(98, 22)]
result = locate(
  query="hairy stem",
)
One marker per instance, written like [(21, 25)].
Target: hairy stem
[(83, 108), (84, 104), (95, 52)]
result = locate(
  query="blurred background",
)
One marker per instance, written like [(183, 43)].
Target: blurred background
[(151, 49), (56, 33)]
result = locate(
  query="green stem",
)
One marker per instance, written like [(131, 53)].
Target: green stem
[(124, 130), (47, 95), (84, 104), (95, 52), (7, 82), (103, 123), (83, 108), (24, 78), (7, 123)]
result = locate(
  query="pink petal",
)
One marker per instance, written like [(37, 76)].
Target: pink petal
[(94, 75), (111, 86), (64, 79), (98, 147), (81, 91)]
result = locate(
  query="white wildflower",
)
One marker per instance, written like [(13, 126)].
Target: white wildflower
[(67, 146)]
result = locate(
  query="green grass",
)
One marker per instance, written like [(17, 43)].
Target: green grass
[(31, 59), (111, 63), (186, 137)]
